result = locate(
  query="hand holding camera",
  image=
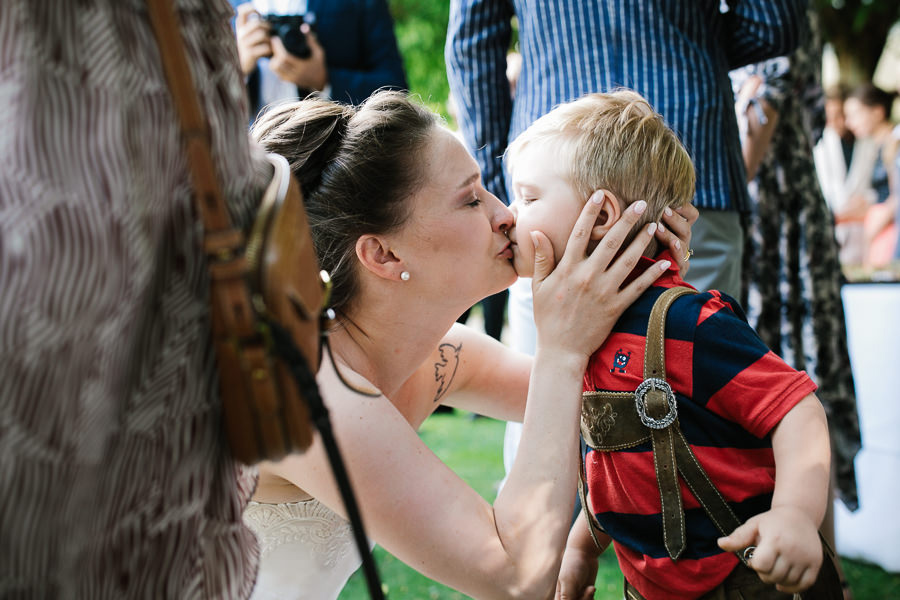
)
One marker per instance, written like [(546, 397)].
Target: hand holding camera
[(287, 40)]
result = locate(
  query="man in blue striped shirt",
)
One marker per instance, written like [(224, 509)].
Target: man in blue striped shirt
[(676, 54)]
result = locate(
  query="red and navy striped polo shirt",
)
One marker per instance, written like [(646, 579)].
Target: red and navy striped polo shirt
[(731, 391)]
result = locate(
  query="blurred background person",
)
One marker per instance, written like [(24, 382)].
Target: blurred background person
[(792, 276), (833, 153), (869, 209), (352, 50)]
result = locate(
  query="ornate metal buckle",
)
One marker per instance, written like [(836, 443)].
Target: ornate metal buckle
[(640, 403)]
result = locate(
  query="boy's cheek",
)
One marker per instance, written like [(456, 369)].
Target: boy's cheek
[(524, 265)]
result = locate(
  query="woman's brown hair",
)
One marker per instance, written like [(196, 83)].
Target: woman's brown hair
[(357, 166)]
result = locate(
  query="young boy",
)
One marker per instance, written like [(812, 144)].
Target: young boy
[(742, 411)]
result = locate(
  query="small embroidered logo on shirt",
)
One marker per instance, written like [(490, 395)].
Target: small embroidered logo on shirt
[(620, 361)]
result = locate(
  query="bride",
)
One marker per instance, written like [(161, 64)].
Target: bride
[(411, 239)]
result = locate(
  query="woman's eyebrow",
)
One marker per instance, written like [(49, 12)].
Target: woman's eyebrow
[(469, 180)]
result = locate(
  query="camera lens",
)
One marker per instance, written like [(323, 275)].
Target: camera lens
[(294, 42)]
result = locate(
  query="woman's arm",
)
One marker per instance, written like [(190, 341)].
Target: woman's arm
[(492, 378)]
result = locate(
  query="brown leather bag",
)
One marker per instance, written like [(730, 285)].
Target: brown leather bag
[(266, 290)]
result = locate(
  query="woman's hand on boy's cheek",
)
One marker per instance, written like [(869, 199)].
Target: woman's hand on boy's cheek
[(787, 549), (675, 233)]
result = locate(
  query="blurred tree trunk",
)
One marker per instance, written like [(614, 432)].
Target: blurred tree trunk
[(858, 30)]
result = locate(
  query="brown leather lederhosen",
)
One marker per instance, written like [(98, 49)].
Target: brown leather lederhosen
[(612, 421)]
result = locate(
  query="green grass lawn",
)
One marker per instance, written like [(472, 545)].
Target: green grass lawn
[(473, 448)]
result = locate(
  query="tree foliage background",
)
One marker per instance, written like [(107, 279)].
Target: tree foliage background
[(421, 28), (858, 30)]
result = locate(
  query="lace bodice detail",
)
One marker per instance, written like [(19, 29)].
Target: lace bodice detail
[(306, 550)]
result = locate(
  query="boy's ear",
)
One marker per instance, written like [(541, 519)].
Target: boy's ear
[(610, 211), (376, 255)]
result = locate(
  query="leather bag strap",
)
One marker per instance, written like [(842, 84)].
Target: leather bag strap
[(208, 197)]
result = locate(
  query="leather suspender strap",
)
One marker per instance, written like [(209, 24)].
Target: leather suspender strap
[(593, 526), (671, 450), (613, 421), (657, 400)]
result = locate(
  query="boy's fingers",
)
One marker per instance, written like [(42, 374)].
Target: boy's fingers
[(807, 579), (793, 577), (740, 538)]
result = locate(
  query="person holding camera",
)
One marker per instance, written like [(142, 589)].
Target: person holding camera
[(340, 49)]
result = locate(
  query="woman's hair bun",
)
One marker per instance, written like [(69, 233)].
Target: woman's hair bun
[(322, 126)]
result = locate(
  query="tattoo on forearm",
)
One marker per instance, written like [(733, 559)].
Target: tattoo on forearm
[(445, 369)]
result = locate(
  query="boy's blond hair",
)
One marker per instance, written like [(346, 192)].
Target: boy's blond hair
[(617, 142)]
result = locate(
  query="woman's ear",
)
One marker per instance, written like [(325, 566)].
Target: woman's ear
[(377, 257), (610, 211)]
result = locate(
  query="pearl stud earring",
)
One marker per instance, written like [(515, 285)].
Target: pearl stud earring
[(404, 275)]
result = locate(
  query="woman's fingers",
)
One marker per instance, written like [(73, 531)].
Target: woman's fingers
[(543, 256), (576, 248), (628, 257), (631, 292), (675, 233), (605, 254)]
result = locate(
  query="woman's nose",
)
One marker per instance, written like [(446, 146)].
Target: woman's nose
[(504, 218)]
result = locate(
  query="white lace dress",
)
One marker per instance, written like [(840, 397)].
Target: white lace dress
[(306, 550)]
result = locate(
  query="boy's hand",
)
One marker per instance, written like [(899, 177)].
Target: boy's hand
[(577, 575), (788, 551)]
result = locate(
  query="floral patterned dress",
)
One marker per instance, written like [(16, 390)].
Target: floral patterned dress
[(792, 277)]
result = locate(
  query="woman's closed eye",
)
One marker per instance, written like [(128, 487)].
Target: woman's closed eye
[(474, 201)]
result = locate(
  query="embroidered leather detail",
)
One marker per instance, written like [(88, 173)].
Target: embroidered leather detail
[(599, 421)]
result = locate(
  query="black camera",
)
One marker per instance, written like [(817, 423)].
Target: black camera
[(287, 27)]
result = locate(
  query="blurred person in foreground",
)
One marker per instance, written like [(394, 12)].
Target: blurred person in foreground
[(116, 478)]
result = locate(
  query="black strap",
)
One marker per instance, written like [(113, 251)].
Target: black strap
[(309, 389)]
